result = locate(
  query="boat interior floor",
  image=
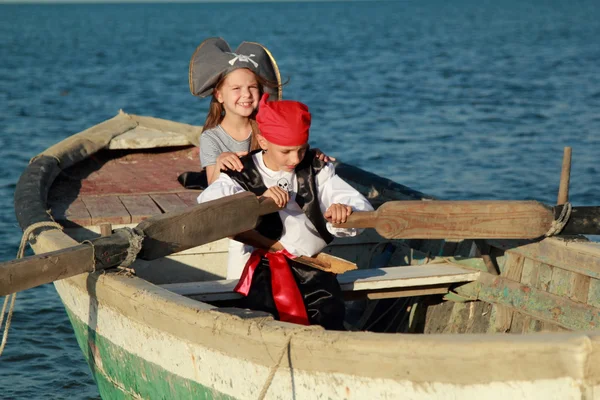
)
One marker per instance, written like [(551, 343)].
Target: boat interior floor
[(123, 186)]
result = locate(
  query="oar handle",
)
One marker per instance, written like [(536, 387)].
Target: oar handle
[(266, 205)]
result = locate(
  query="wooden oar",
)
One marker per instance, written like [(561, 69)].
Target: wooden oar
[(162, 235), (471, 219)]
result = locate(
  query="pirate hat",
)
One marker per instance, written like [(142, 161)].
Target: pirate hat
[(213, 59)]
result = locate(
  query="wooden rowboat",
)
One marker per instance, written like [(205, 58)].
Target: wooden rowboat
[(166, 331)]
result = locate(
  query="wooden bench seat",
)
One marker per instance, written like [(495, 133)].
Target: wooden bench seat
[(374, 283)]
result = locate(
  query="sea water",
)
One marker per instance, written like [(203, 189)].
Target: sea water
[(468, 99)]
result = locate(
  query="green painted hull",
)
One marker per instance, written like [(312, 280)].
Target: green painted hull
[(122, 375)]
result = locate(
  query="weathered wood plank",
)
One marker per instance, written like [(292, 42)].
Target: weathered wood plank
[(594, 293), (189, 198), (544, 277), (480, 320), (533, 302), (437, 317), (70, 215), (116, 172), (357, 280), (168, 201), (580, 256), (106, 209), (459, 318), (560, 283), (394, 277), (518, 323), (529, 276), (396, 293), (513, 270), (579, 287), (140, 207), (513, 267)]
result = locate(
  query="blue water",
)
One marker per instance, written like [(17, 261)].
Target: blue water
[(468, 99)]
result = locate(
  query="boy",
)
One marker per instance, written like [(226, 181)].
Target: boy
[(314, 198)]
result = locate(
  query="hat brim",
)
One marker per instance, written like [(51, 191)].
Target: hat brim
[(213, 59)]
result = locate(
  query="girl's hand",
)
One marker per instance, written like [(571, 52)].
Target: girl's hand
[(337, 213), (280, 196), (228, 160), (322, 156)]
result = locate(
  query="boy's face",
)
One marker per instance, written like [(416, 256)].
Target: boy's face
[(239, 93), (281, 158)]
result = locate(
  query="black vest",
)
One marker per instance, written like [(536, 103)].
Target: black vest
[(270, 225)]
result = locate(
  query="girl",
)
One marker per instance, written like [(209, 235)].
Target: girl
[(236, 80)]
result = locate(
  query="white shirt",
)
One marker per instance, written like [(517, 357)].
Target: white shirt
[(299, 236)]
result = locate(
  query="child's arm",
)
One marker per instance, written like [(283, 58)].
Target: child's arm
[(225, 161), (255, 239), (221, 187), (225, 186), (337, 213), (338, 200), (214, 160), (322, 156)]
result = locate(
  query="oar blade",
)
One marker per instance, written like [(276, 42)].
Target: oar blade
[(463, 220), (459, 219)]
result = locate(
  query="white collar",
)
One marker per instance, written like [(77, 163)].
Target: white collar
[(260, 163)]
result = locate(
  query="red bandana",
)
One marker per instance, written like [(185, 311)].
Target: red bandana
[(284, 122)]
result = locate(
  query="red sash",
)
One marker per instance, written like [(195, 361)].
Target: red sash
[(287, 297)]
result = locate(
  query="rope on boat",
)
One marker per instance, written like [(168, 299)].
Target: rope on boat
[(559, 224), (135, 246), (274, 368), (11, 297), (93, 254)]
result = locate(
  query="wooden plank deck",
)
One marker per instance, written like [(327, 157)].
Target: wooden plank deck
[(393, 281), (123, 187), (168, 201)]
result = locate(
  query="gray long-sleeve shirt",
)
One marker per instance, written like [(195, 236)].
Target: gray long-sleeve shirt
[(215, 141)]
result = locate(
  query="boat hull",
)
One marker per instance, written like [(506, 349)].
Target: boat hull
[(143, 341), (131, 357)]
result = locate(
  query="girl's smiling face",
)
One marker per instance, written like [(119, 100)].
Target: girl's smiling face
[(239, 93), (281, 158)]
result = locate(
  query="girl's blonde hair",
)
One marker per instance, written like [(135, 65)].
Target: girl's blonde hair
[(216, 111)]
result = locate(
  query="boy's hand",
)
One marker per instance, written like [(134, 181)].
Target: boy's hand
[(280, 196), (322, 156), (228, 160), (337, 213)]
